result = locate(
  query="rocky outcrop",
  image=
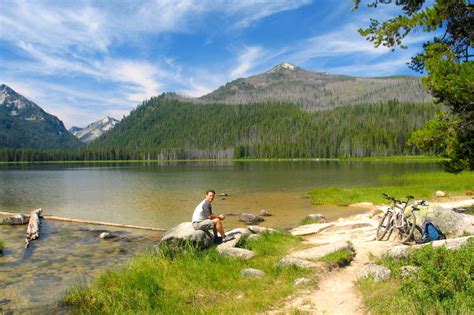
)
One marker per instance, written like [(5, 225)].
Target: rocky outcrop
[(310, 229), (184, 233), (450, 222), (292, 261), (378, 273)]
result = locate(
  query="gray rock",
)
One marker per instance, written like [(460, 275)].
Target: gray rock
[(310, 228), (249, 218), (105, 235), (259, 229), (451, 223), (252, 273), (223, 194), (17, 219), (379, 273), (185, 233), (265, 213), (300, 281), (320, 251), (317, 216), (450, 243), (244, 232), (397, 252), (292, 261), (236, 252), (440, 193), (409, 271), (231, 243)]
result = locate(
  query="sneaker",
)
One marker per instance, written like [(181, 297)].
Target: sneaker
[(228, 238)]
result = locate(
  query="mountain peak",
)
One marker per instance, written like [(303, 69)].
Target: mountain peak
[(94, 130), (283, 66)]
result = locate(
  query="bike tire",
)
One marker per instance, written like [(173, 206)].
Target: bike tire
[(405, 234), (384, 226)]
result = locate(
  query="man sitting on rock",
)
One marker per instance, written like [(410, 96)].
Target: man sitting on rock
[(203, 219)]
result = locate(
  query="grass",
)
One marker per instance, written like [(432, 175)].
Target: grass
[(340, 258), (308, 220), (1, 247), (193, 282), (422, 186), (443, 285)]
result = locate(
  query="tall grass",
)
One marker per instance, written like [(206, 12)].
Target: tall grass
[(422, 186), (443, 285), (193, 282)]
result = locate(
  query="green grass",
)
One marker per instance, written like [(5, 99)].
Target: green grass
[(307, 221), (340, 258), (193, 282), (444, 284), (1, 247), (422, 186)]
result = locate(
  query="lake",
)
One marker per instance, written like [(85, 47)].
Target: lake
[(147, 194), (165, 194)]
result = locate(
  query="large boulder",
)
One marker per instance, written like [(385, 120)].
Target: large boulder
[(183, 234), (249, 218), (451, 223)]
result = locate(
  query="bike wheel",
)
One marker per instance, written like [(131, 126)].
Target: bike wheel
[(406, 229), (384, 225)]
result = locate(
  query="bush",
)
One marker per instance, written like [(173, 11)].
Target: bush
[(442, 285)]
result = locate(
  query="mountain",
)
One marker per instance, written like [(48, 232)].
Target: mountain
[(315, 90), (23, 124), (94, 130)]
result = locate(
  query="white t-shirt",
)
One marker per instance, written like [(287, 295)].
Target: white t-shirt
[(202, 211)]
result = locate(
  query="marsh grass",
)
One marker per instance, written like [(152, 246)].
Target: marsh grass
[(192, 282), (443, 285), (422, 186)]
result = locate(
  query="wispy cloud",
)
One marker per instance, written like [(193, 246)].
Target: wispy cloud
[(246, 61)]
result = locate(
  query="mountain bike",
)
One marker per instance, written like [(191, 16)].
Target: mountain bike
[(397, 219)]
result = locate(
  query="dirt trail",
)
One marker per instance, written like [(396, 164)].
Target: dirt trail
[(336, 292)]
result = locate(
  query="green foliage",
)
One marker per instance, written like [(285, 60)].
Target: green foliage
[(1, 247), (192, 282), (422, 186), (448, 61), (442, 285), (167, 129), (340, 258)]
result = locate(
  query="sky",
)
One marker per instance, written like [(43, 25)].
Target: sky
[(82, 60)]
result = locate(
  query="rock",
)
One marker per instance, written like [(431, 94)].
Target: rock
[(244, 232), (318, 217), (184, 233), (409, 271), (320, 251), (230, 243), (265, 213), (397, 252), (259, 229), (292, 261), (252, 273), (348, 226), (450, 243), (105, 235), (310, 228), (299, 281), (379, 273), (249, 218), (16, 219), (440, 193), (451, 223), (236, 252), (223, 195)]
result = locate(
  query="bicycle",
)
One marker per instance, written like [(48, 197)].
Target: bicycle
[(396, 218)]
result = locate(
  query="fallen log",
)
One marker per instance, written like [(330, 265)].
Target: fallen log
[(53, 218), (32, 231)]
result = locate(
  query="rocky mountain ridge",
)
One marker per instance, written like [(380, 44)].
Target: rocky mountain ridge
[(94, 130)]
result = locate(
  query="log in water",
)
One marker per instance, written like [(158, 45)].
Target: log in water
[(32, 231)]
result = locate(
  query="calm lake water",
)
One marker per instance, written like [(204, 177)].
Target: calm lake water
[(156, 195)]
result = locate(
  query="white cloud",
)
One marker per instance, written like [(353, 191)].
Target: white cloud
[(246, 61)]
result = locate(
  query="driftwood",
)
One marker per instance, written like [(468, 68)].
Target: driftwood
[(53, 218), (17, 219), (32, 232)]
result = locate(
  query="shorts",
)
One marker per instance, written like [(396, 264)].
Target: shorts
[(207, 224)]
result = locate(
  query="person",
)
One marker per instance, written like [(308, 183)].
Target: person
[(204, 219)]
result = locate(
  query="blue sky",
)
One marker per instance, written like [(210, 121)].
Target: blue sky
[(83, 60)]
